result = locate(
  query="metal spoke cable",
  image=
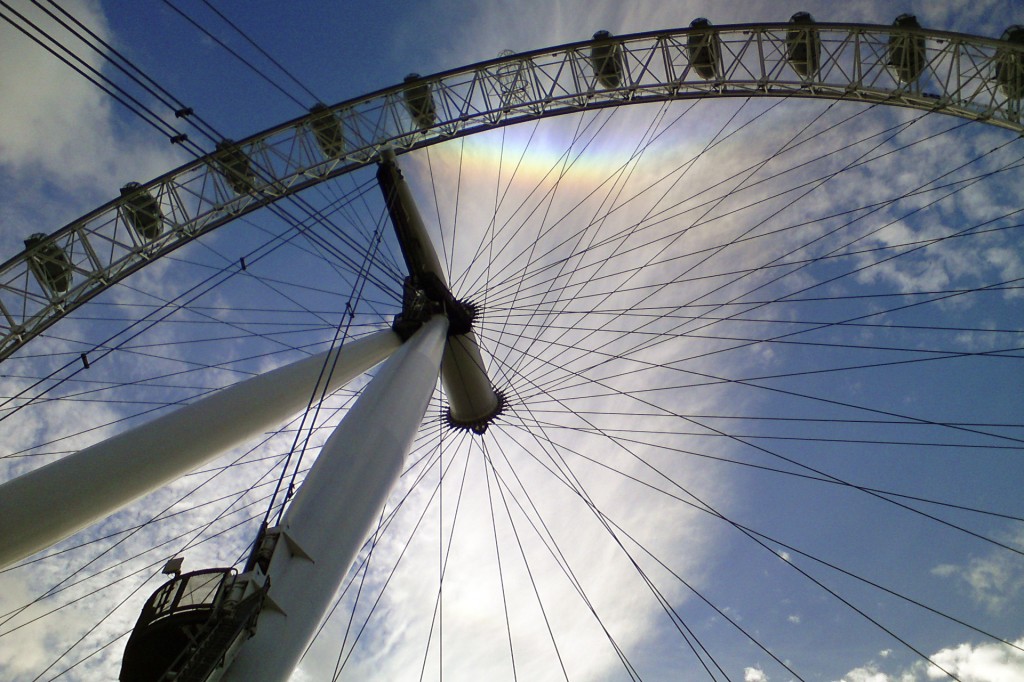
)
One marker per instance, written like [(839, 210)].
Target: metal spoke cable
[(814, 470), (648, 465), (126, 66), (262, 51), (585, 131), (526, 565), (750, 229), (253, 256), (528, 430), (622, 436), (139, 382), (547, 539), (443, 552), (84, 69), (387, 581), (497, 554), (1011, 352), (576, 486), (872, 232), (658, 218), (925, 350), (197, 537), (709, 509), (620, 176), (317, 397), (68, 581), (154, 119), (719, 136), (569, 478), (202, 29), (645, 345), (683, 167), (133, 593), (823, 258)]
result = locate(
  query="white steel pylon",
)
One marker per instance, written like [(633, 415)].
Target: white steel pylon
[(343, 494), (338, 504), (50, 503)]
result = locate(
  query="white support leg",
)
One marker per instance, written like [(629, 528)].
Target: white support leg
[(337, 506), (48, 504)]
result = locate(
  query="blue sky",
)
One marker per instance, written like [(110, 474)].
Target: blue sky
[(649, 436)]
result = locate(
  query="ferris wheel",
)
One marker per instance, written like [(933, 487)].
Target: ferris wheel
[(766, 319)]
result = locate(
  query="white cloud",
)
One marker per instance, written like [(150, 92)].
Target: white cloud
[(994, 580), (68, 145), (42, 99), (104, 151), (981, 663), (754, 675), (988, 662), (867, 674)]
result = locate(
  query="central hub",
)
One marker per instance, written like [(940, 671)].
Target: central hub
[(426, 296), (473, 402)]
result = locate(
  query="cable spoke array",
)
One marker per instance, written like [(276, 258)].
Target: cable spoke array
[(742, 343)]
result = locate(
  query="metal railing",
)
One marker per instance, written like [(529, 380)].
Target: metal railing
[(977, 78)]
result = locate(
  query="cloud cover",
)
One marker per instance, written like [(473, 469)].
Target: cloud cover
[(396, 642)]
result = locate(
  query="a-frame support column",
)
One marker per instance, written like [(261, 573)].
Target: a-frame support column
[(338, 504), (46, 505)]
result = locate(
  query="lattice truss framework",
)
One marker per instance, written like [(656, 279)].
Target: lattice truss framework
[(976, 78)]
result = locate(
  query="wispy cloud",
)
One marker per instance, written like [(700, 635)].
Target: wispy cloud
[(62, 134), (994, 580), (68, 145), (989, 662)]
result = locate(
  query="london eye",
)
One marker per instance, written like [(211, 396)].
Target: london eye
[(723, 331)]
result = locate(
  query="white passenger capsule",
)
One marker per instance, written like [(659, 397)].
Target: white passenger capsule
[(419, 102), (703, 49), (49, 263), (234, 166), (141, 210), (327, 130), (906, 53), (803, 45), (606, 59), (1009, 73)]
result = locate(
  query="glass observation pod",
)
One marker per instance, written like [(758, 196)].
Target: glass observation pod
[(327, 131), (514, 86), (1010, 64), (803, 45), (703, 49), (906, 53), (49, 263), (607, 62), (419, 102), (233, 165), (191, 627), (142, 211)]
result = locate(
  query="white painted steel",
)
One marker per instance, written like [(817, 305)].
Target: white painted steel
[(338, 504), (471, 395), (194, 199), (50, 503)]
